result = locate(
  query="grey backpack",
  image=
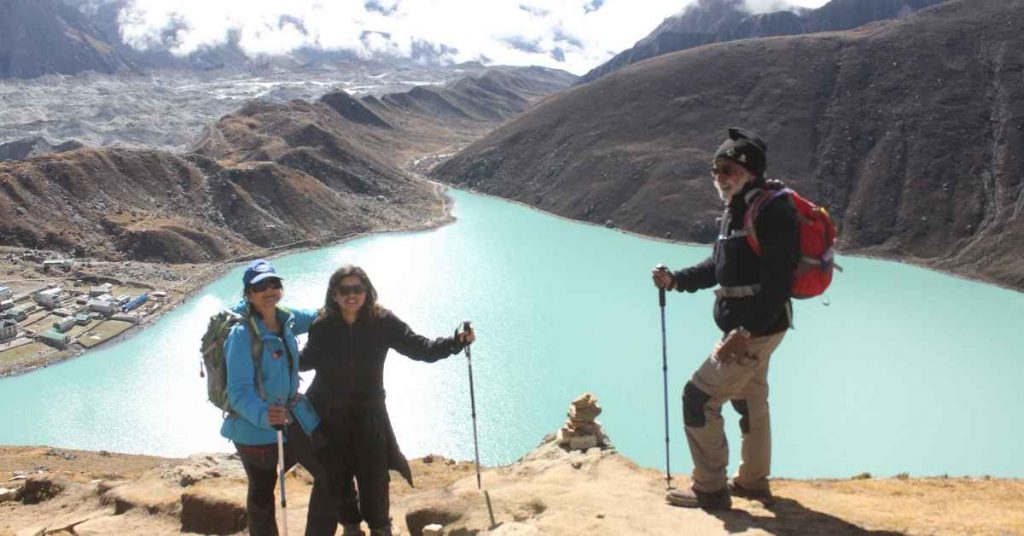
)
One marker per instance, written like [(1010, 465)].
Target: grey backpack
[(213, 358)]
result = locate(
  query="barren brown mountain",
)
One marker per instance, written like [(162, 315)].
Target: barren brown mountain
[(268, 175), (911, 132), (717, 21)]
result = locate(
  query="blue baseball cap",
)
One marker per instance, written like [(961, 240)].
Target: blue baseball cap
[(257, 271)]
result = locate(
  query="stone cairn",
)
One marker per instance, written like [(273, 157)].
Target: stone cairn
[(582, 431)]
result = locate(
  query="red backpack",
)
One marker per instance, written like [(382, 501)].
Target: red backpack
[(817, 234)]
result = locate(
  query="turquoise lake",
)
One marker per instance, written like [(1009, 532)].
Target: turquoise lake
[(907, 370)]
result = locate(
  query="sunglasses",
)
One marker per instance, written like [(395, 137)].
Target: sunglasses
[(345, 290), (262, 286), (723, 169)]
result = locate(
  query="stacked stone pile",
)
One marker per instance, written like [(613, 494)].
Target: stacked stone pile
[(582, 431)]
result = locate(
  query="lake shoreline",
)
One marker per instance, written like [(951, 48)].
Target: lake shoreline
[(213, 271), (636, 234)]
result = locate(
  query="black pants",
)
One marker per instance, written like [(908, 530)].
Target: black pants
[(357, 455), (260, 463)]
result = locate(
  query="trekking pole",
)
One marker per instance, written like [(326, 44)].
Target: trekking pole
[(476, 445), (472, 401), (280, 476), (664, 375)]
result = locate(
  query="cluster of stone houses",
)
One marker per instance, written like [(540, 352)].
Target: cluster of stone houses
[(99, 302)]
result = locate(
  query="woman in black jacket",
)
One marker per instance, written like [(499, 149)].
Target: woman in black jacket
[(347, 349)]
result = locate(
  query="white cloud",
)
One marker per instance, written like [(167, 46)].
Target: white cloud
[(764, 6), (575, 35)]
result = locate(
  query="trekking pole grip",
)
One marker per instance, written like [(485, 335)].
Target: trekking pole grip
[(466, 327), (661, 291)]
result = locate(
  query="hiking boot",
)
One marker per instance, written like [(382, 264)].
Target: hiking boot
[(691, 498), (764, 496), (352, 529)]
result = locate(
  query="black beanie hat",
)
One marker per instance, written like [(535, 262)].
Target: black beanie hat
[(746, 149)]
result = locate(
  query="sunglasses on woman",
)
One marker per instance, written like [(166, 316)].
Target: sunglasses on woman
[(262, 286), (346, 290)]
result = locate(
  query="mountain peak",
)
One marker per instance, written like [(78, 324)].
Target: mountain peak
[(717, 21)]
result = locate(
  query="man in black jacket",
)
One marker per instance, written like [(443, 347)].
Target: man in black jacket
[(753, 310)]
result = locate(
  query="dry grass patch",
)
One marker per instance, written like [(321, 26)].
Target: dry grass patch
[(937, 505), (103, 331), (23, 353)]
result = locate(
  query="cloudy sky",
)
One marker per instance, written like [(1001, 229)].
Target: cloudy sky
[(575, 35)]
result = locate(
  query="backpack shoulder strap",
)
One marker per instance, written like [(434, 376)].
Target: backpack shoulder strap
[(754, 210), (257, 354), (287, 313)]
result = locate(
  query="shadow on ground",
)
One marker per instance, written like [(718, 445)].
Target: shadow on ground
[(792, 518)]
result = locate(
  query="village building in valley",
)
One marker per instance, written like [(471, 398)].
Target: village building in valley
[(58, 311)]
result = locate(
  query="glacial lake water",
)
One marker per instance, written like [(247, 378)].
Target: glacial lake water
[(907, 370)]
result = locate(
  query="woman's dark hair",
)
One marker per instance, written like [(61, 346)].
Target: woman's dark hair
[(370, 309)]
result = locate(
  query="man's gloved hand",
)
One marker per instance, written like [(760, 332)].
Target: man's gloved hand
[(663, 278), (466, 335)]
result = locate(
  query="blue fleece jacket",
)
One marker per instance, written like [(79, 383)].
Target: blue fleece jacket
[(248, 424)]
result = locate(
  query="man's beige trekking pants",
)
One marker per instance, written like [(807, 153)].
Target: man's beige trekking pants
[(745, 383)]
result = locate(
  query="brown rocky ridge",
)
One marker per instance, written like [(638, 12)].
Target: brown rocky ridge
[(910, 132), (33, 146), (717, 21), (550, 490), (266, 176)]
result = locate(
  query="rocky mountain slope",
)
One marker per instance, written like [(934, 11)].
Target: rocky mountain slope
[(34, 146), (47, 36), (911, 133), (718, 21), (269, 175)]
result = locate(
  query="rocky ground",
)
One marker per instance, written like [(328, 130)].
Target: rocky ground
[(573, 483), (549, 491)]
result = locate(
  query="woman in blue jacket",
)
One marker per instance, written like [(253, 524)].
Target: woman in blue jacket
[(267, 399)]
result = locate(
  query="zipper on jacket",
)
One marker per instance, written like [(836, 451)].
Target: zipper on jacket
[(351, 359)]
